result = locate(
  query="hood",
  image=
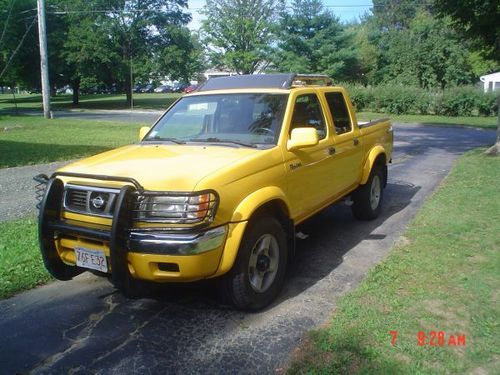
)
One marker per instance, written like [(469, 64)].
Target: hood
[(161, 167)]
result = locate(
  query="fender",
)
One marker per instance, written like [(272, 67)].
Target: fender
[(239, 221), (375, 152), (251, 203)]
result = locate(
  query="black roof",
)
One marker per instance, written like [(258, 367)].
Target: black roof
[(261, 81)]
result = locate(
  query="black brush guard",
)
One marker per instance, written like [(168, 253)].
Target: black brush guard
[(50, 190), (49, 224)]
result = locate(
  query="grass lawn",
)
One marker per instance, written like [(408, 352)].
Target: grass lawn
[(21, 265), (444, 276), (32, 140), (474, 121), (100, 101)]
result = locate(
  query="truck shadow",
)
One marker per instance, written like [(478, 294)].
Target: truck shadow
[(334, 232)]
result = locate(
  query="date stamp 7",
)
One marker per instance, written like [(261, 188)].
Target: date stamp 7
[(434, 338)]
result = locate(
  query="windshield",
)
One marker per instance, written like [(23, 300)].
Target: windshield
[(246, 119)]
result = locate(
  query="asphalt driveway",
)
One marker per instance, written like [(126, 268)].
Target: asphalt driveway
[(84, 326)]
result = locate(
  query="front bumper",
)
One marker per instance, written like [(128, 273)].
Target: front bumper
[(148, 241), (148, 254), (153, 256), (176, 243)]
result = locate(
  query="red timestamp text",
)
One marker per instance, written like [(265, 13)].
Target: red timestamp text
[(434, 338), (439, 338)]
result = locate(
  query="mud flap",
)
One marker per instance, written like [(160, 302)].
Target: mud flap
[(50, 209)]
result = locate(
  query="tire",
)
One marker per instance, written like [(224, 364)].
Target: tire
[(50, 209), (133, 288), (130, 288), (258, 273), (367, 199)]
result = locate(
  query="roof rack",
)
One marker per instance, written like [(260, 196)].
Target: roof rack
[(309, 79), (265, 81)]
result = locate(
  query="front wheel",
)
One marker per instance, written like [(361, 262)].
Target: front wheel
[(367, 199), (259, 271)]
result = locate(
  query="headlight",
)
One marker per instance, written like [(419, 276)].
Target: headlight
[(178, 208)]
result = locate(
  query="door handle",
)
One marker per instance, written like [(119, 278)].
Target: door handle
[(331, 150), (355, 141)]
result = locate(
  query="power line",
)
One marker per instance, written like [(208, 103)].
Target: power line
[(196, 10), (18, 47), (7, 20)]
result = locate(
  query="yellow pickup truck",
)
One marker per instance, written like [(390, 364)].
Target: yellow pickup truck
[(216, 188)]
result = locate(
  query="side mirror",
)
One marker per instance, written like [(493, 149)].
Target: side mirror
[(143, 131), (301, 138)]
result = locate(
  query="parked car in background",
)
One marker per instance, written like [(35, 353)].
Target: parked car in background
[(179, 87), (190, 88), (148, 88), (114, 89), (137, 88), (64, 90), (164, 89)]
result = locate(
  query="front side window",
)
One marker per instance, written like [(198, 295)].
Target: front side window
[(247, 118), (307, 113)]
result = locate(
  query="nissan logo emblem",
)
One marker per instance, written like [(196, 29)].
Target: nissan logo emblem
[(98, 202)]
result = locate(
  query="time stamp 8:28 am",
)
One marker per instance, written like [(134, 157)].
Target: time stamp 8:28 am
[(434, 338)]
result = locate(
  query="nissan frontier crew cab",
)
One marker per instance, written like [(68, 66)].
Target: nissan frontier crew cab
[(216, 188)]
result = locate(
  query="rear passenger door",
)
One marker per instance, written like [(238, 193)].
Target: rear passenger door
[(348, 156), (309, 184)]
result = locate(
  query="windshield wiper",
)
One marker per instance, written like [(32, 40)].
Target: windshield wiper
[(218, 140), (174, 140)]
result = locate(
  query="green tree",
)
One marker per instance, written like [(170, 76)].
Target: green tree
[(397, 14), (370, 57), (61, 73), (238, 33), (312, 40), (19, 56), (427, 54), (122, 39), (478, 20), (183, 58)]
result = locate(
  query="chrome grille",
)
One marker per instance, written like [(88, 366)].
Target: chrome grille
[(90, 200), (76, 199)]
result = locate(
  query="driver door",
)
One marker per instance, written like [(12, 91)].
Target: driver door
[(308, 168)]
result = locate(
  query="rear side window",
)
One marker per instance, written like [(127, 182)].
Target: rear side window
[(339, 111), (307, 113)]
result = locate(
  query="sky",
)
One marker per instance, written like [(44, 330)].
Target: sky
[(346, 10)]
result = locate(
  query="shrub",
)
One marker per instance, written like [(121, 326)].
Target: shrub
[(487, 104), (457, 101), (398, 99)]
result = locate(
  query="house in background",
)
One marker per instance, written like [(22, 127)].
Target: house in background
[(491, 81)]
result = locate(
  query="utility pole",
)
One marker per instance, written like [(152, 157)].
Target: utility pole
[(44, 62)]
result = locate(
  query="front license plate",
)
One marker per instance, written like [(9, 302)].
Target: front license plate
[(90, 258)]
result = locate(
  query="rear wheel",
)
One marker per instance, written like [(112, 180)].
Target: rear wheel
[(367, 199), (259, 271)]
